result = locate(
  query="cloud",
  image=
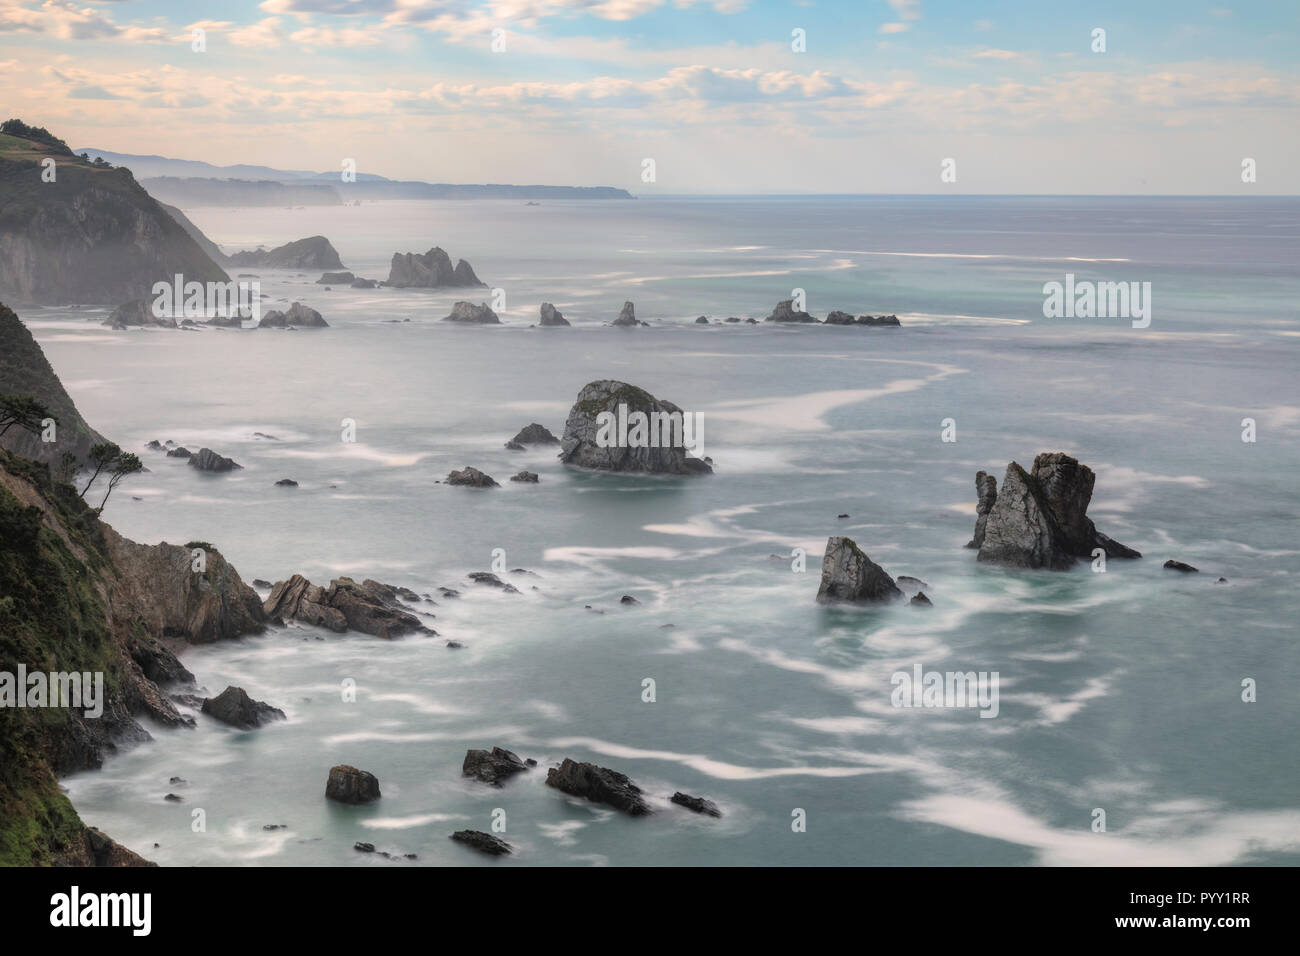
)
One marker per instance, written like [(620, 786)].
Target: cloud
[(907, 9), (997, 55), (894, 27), (65, 20), (263, 34)]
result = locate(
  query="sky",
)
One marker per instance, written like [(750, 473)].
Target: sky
[(724, 96)]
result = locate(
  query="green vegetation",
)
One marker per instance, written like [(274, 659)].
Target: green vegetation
[(39, 134)]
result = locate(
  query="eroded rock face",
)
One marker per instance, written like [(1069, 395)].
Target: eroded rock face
[(369, 607), (986, 486), (626, 316), (470, 314), (849, 576), (1039, 519), (297, 316), (209, 460), (599, 785), (472, 477), (494, 766), (784, 312), (590, 443), (432, 270), (233, 706), (349, 785), (551, 316)]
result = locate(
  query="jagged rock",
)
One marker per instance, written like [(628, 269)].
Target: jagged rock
[(209, 460), (986, 486), (599, 785), (451, 592), (589, 443), (628, 600), (535, 434), (233, 706), (839, 318), (551, 316), (1172, 565), (526, 476), (697, 804), (784, 312), (286, 483), (920, 600), (431, 270), (907, 581), (336, 278), (369, 607), (470, 314), (314, 252), (137, 314), (702, 320), (878, 320), (848, 575), (155, 445), (298, 316), (626, 316), (180, 451), (1039, 519), (513, 445), (483, 842), (349, 785), (361, 847), (493, 766), (472, 477), (491, 580)]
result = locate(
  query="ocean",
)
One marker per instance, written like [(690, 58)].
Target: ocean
[(1120, 691)]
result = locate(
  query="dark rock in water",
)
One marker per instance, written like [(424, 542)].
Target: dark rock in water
[(363, 847), (697, 804), (491, 580), (209, 460), (265, 436), (1172, 565), (732, 318), (180, 451), (784, 312), (920, 600), (514, 446), (1039, 519), (843, 515), (172, 798), (369, 607), (1221, 581), (626, 316), (848, 575), (591, 432), (335, 278), (154, 445), (629, 600), (755, 321), (493, 766), (702, 320), (450, 592), (314, 252), (878, 320), (455, 645), (599, 785), (986, 487), (298, 316), (177, 782), (432, 270), (471, 477), (535, 434), (483, 842), (907, 581), (137, 313), (551, 316), (261, 583), (526, 476), (233, 706), (360, 283), (275, 826), (350, 785), (839, 318), (286, 483), (468, 313)]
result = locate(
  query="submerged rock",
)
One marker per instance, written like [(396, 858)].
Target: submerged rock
[(471, 477), (491, 580), (483, 842), (1172, 565), (849, 576), (1039, 519), (697, 804), (551, 316), (493, 766), (286, 483), (349, 785), (468, 313), (209, 460), (599, 785), (233, 706), (878, 320), (592, 439), (529, 477)]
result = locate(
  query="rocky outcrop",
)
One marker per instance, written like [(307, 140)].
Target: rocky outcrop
[(1172, 565), (535, 434), (93, 236), (839, 318), (1039, 519), (297, 316), (986, 487), (360, 283), (471, 477), (233, 706), (590, 441), (784, 312), (599, 785), (627, 316), (551, 316), (432, 270), (483, 842), (494, 766), (347, 784), (314, 252), (369, 607), (491, 580), (849, 576), (470, 314), (336, 278), (878, 320), (209, 460), (528, 477), (696, 804), (137, 313)]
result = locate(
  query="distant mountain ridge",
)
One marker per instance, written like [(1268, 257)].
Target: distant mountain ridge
[(194, 182)]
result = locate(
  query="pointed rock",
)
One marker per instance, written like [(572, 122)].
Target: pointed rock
[(849, 576)]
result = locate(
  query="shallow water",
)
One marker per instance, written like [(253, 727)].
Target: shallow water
[(1118, 691)]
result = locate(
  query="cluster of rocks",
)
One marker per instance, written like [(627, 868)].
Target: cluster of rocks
[(431, 270), (849, 576), (370, 607), (785, 312), (297, 316)]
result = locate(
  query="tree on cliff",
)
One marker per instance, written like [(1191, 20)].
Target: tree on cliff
[(22, 410)]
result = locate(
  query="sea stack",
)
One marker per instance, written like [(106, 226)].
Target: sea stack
[(850, 577), (601, 432)]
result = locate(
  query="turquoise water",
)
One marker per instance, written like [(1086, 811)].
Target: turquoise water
[(1119, 691)]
